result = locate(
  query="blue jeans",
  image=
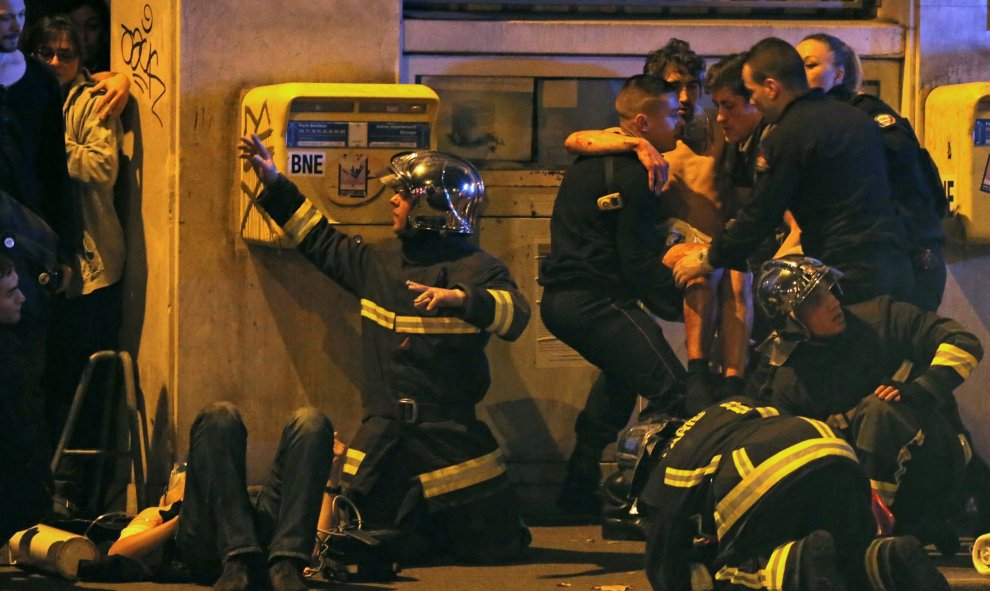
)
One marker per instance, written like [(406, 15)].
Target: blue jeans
[(218, 519)]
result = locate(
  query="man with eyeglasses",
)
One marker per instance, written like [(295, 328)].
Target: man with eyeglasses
[(881, 372)]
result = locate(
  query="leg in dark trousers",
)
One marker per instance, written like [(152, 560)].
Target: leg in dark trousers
[(930, 275), (289, 504), (216, 520), (628, 345), (81, 326), (877, 273)]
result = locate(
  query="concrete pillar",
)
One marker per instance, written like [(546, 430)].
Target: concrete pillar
[(143, 45), (210, 318)]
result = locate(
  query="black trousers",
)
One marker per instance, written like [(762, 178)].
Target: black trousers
[(628, 345), (80, 327), (219, 519), (833, 496), (475, 519)]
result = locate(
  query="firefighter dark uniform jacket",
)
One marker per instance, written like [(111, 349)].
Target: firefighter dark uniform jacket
[(824, 161), (915, 189), (610, 247), (436, 359), (718, 473), (821, 378), (885, 342)]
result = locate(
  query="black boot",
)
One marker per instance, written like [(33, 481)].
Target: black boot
[(286, 575), (817, 564), (729, 387), (236, 575), (901, 564), (579, 493)]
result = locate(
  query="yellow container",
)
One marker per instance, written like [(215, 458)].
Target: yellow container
[(957, 134), (330, 140)]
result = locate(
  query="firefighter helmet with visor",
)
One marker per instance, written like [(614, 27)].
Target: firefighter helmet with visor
[(444, 191), (785, 284)]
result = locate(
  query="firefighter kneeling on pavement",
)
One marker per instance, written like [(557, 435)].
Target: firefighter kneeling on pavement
[(421, 462), (742, 496), (881, 373)]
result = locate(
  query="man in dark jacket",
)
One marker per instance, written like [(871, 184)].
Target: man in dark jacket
[(824, 162), (421, 461), (604, 260), (25, 479), (883, 373)]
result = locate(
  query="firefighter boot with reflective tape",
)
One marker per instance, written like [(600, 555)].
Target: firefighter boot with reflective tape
[(901, 564), (817, 565)]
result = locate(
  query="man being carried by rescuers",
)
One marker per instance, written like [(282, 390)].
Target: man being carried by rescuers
[(421, 462), (756, 499), (604, 260), (880, 372), (694, 198)]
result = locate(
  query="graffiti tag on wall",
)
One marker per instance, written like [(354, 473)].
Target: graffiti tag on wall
[(142, 59)]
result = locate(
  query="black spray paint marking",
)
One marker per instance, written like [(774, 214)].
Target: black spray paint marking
[(142, 59)]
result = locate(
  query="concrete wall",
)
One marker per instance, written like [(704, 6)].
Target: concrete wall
[(954, 47), (143, 38), (252, 322), (213, 319)]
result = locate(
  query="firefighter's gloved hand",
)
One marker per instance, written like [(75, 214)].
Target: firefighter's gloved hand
[(917, 396), (172, 512)]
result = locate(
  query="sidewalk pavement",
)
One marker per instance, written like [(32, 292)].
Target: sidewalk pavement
[(561, 558)]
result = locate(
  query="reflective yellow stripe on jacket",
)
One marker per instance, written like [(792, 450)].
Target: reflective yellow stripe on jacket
[(415, 324), (954, 357), (504, 312), (785, 462), (463, 475), (301, 222), (688, 478), (352, 460), (770, 578)]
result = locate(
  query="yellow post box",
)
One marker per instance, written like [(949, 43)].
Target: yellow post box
[(957, 134), (330, 139)]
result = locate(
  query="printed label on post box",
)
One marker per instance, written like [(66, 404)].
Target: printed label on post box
[(981, 132), (307, 163)]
